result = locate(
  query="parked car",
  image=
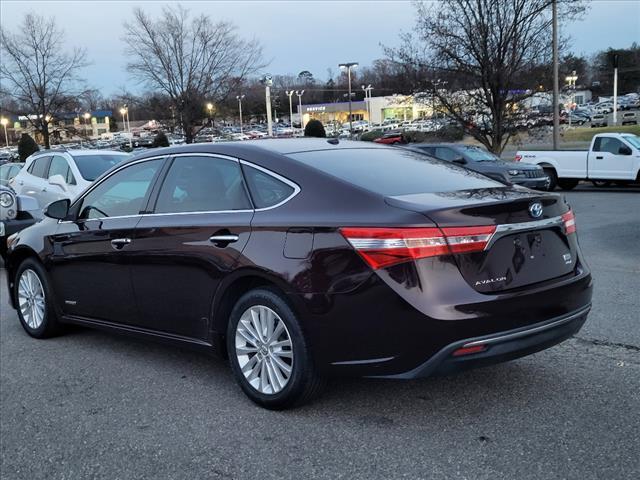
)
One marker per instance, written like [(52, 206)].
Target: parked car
[(629, 118), (391, 138), (48, 176), (486, 163), (410, 267), (8, 171), (599, 120), (611, 156), (16, 213)]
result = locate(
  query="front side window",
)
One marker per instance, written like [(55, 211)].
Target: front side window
[(610, 145), (60, 166), (202, 184), (265, 189), (39, 166), (121, 194)]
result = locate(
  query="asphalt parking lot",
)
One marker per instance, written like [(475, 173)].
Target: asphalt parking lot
[(95, 405)]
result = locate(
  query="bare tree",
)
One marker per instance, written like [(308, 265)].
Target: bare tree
[(192, 61), (37, 73), (482, 47)]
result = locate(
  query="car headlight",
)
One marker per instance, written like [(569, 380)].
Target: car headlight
[(514, 172), (6, 199)]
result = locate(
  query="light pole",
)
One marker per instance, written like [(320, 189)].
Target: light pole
[(367, 99), (125, 112), (299, 94), (4, 122), (290, 95), (86, 117), (267, 81), (239, 98), (571, 81), (348, 66), (209, 112)]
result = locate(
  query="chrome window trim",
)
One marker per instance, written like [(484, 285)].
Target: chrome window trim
[(295, 186), (509, 228)]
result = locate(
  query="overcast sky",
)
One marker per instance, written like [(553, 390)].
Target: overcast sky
[(296, 35)]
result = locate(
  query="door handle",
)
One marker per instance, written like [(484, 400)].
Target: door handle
[(599, 158), (224, 239), (119, 243)]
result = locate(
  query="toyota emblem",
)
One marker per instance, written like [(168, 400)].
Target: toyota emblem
[(535, 210)]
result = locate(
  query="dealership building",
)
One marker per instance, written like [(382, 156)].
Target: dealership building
[(375, 109)]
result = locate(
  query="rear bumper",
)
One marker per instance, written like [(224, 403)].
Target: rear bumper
[(500, 347)]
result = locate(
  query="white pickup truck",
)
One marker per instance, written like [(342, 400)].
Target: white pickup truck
[(611, 157)]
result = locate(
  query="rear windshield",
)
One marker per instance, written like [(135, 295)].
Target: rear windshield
[(92, 166), (394, 171)]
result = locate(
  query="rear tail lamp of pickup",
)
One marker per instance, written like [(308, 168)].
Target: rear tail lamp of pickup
[(383, 247), (518, 158), (569, 221)]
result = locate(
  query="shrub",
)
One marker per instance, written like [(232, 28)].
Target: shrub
[(160, 140), (450, 133), (27, 146), (314, 129)]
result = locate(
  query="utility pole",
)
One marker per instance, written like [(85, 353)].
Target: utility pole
[(290, 94), (267, 81), (556, 88), (348, 66), (615, 89)]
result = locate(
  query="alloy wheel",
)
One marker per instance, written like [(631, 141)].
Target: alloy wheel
[(31, 299), (264, 349)]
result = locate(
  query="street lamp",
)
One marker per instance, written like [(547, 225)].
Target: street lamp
[(299, 94), (367, 99), (239, 98), (124, 111), (290, 95), (209, 112), (86, 117), (267, 81), (571, 82), (348, 66), (4, 123)]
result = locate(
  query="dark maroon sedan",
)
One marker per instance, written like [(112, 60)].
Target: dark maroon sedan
[(302, 259)]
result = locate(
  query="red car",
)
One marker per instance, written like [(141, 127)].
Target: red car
[(391, 138)]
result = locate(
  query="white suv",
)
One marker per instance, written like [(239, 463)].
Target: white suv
[(51, 175)]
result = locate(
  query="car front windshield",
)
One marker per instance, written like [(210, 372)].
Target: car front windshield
[(633, 140), (94, 165), (478, 155)]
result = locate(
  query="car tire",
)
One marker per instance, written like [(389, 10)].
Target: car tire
[(553, 178), (260, 364), (567, 183), (601, 183), (32, 289)]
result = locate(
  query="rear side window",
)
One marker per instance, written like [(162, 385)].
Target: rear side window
[(394, 171), (202, 184), (39, 167), (266, 190)]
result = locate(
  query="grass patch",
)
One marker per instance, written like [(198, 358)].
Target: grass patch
[(585, 134)]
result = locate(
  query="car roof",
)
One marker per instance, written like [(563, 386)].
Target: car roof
[(282, 146)]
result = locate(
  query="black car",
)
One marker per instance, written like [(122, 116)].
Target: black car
[(302, 259), (482, 161)]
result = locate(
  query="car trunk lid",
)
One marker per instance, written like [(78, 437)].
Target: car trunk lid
[(530, 244)]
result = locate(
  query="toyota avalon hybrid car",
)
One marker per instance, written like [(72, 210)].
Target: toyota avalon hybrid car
[(302, 259)]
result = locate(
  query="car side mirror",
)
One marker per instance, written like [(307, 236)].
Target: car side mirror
[(58, 180), (460, 161), (58, 209), (624, 150)]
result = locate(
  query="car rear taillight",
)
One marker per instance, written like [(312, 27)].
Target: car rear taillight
[(569, 221), (383, 247), (518, 158)]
